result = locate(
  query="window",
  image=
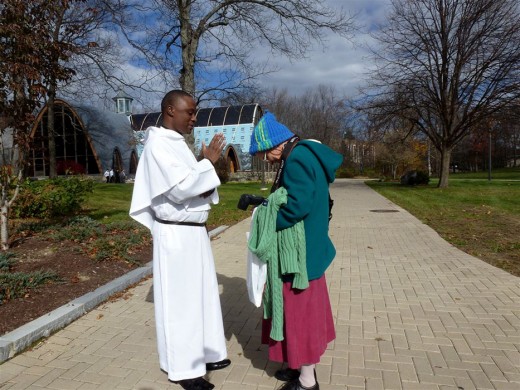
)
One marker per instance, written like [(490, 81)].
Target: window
[(72, 147)]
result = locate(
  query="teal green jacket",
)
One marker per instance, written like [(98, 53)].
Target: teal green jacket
[(309, 170)]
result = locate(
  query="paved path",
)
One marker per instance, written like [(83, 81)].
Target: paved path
[(411, 312)]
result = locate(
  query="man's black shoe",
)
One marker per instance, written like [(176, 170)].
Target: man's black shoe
[(287, 374), (218, 365), (195, 384)]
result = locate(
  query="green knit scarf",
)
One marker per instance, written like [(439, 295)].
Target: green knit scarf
[(283, 252)]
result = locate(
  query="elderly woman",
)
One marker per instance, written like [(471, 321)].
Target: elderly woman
[(306, 324)]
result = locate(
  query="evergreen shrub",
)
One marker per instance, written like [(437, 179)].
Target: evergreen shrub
[(344, 173), (51, 198)]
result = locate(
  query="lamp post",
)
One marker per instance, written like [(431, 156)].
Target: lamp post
[(489, 156)]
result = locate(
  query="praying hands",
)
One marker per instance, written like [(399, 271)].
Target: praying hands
[(214, 150)]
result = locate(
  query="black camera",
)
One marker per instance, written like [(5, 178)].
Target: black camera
[(247, 199)]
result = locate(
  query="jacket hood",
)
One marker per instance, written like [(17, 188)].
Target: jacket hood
[(328, 158)]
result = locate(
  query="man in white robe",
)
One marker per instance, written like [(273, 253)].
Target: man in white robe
[(172, 196)]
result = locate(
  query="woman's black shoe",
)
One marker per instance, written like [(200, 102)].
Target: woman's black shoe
[(287, 374), (296, 385)]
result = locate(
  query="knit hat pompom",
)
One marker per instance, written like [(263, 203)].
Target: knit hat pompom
[(268, 134)]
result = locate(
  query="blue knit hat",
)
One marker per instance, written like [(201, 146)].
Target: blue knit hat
[(268, 134)]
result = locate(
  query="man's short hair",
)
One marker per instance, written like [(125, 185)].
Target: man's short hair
[(172, 97)]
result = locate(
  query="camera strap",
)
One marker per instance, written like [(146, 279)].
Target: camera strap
[(289, 146)]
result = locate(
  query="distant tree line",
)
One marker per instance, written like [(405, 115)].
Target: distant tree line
[(386, 146)]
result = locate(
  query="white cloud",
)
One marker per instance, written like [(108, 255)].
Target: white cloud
[(342, 63)]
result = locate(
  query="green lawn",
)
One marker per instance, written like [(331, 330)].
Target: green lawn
[(496, 174), (480, 217), (111, 202), (226, 211)]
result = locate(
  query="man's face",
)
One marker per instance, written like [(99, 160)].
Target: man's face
[(184, 115)]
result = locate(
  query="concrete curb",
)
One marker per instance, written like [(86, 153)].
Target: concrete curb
[(16, 341)]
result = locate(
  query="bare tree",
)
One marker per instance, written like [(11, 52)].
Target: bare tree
[(281, 104), (84, 60), (320, 113), (63, 44), (445, 65), (209, 42), (323, 113), (509, 121), (103, 64), (399, 152)]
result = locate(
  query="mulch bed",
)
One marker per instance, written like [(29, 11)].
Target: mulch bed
[(79, 274)]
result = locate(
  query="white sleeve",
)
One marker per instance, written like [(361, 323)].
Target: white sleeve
[(200, 178)]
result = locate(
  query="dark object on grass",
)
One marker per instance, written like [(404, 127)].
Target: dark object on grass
[(413, 178)]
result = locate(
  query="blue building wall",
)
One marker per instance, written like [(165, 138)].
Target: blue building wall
[(237, 136), (235, 122)]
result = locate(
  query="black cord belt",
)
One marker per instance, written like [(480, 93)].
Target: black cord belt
[(180, 223)]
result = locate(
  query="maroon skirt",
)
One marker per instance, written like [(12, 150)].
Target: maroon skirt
[(308, 325)]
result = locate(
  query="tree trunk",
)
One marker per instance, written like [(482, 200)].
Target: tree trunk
[(51, 93), (190, 44), (187, 77), (4, 232), (429, 160), (445, 167), (50, 132), (515, 145)]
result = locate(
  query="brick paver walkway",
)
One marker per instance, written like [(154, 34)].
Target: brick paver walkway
[(411, 312)]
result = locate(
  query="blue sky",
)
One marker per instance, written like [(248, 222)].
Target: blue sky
[(342, 63)]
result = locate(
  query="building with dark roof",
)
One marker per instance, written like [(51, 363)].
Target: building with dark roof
[(88, 140), (235, 122)]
